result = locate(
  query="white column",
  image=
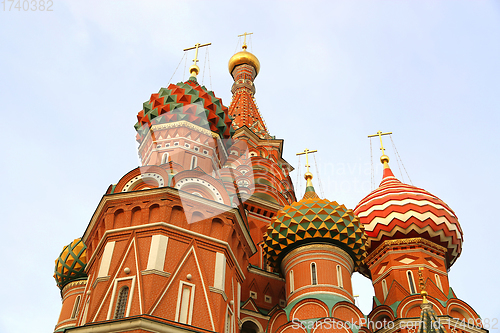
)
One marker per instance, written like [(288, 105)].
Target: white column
[(106, 259), (220, 271), (157, 252)]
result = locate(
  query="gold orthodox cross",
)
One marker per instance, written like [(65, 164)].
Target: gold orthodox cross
[(306, 152), (421, 278), (423, 287), (196, 46), (379, 134), (245, 41)]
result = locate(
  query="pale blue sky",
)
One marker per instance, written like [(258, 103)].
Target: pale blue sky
[(72, 81)]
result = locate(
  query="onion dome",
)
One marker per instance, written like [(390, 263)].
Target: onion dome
[(70, 265), (398, 211), (244, 57), (186, 101), (311, 220)]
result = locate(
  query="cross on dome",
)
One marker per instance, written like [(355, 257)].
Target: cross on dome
[(384, 158), (194, 68), (306, 152), (245, 40)]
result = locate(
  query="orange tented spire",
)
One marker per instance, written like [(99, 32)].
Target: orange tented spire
[(244, 67)]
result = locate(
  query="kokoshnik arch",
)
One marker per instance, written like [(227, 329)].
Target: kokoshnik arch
[(207, 235)]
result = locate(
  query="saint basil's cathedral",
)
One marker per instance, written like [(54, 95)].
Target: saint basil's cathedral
[(208, 235)]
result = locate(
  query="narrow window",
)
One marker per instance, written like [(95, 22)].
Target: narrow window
[(229, 322), (339, 277), (292, 282), (186, 305), (384, 288), (164, 158), (121, 303), (314, 278), (194, 162), (411, 283), (438, 282), (76, 307)]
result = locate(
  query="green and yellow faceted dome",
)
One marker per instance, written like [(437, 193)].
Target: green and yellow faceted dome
[(70, 265), (310, 220)]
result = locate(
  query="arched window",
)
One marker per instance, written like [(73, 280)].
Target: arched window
[(314, 278), (292, 282), (411, 282), (121, 303), (384, 288), (339, 277), (164, 158), (76, 307), (194, 162), (438, 282)]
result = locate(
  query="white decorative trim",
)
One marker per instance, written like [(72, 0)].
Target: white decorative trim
[(403, 202), (127, 325), (138, 279), (218, 291), (192, 180), (254, 314), (129, 186), (265, 273), (155, 271), (406, 261), (327, 311), (100, 279), (411, 213)]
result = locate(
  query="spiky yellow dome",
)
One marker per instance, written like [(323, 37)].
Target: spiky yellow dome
[(70, 265)]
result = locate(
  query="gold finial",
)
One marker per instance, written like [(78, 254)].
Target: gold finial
[(308, 176), (194, 69), (244, 47), (384, 158), (423, 288)]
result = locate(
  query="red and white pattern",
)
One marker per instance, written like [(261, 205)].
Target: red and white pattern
[(396, 210)]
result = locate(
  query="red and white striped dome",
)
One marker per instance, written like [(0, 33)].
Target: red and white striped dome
[(397, 211)]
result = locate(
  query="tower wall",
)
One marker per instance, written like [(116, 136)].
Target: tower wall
[(72, 302), (396, 263), (318, 268)]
